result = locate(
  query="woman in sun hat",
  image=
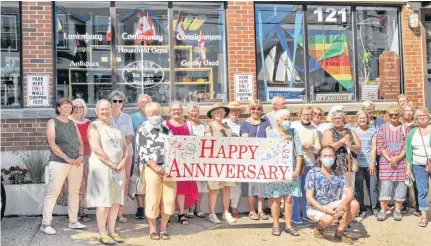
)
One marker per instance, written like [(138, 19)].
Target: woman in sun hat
[(217, 129)]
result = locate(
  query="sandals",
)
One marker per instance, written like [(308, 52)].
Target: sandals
[(292, 231), (423, 222), (107, 240), (190, 215), (182, 219), (165, 236), (276, 231), (154, 236), (117, 238), (122, 219), (263, 216), (199, 214), (85, 218)]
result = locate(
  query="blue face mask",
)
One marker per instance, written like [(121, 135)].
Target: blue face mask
[(328, 161), (286, 124)]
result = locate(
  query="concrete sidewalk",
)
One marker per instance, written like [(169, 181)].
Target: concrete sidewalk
[(17, 231)]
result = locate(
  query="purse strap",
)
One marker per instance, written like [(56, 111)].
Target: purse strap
[(423, 142)]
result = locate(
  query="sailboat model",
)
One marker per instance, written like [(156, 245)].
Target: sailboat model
[(284, 69), (267, 73)]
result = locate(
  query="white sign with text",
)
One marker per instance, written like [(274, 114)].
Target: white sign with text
[(38, 90), (243, 87)]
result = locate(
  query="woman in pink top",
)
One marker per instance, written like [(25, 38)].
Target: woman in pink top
[(187, 191), (78, 116)]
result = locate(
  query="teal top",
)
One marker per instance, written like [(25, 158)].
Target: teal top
[(409, 148), (137, 120)]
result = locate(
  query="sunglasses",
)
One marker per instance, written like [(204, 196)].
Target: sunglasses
[(256, 108), (318, 114), (78, 107), (392, 115), (117, 101)]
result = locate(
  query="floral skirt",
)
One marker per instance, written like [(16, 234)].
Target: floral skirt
[(278, 189), (63, 196)]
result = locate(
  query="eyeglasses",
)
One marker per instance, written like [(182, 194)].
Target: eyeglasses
[(393, 115), (306, 115), (117, 101), (78, 107), (422, 116), (256, 108), (318, 114)]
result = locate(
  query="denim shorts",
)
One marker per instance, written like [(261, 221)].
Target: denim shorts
[(397, 189)]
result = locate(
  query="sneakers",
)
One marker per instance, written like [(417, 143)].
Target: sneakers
[(140, 214), (47, 230), (405, 210), (376, 212), (77, 225), (253, 216), (397, 215), (362, 214), (228, 217), (382, 216), (213, 218)]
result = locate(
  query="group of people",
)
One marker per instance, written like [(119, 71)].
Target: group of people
[(331, 162)]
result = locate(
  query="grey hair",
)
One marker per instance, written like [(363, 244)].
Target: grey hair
[(276, 98), (100, 102), (338, 112), (192, 105), (118, 93), (174, 103), (142, 95), (367, 104), (81, 101), (334, 108), (281, 113)]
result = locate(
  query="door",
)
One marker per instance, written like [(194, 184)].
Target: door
[(427, 86)]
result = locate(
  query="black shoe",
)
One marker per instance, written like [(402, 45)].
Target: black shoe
[(140, 214), (405, 210)]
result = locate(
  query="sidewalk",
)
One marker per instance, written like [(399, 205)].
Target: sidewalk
[(17, 231)]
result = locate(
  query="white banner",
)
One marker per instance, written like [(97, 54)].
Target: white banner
[(228, 159)]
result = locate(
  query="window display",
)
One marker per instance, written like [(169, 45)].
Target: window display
[(10, 55)]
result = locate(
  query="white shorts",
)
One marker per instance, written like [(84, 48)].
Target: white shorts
[(315, 214)]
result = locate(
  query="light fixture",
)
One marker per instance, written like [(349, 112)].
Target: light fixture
[(414, 20)]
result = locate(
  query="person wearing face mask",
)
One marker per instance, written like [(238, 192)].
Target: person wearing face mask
[(106, 174), (278, 103), (366, 164), (322, 186), (236, 110), (196, 128), (286, 190), (138, 119), (310, 146), (160, 193), (254, 127)]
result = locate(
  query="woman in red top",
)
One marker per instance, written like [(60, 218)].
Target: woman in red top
[(78, 116), (187, 191)]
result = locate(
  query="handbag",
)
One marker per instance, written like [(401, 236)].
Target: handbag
[(134, 182), (428, 164)]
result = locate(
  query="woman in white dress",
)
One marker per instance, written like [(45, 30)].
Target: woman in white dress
[(106, 176)]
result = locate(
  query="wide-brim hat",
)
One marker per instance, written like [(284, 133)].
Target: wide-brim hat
[(217, 106), (236, 105)]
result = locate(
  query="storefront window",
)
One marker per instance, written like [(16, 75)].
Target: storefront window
[(379, 53), (10, 54), (280, 52), (331, 54), (143, 50), (199, 34), (83, 50)]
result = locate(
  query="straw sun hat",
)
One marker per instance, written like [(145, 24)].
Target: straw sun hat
[(236, 105), (217, 106)]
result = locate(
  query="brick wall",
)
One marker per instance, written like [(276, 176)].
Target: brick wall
[(241, 42), (23, 134), (38, 41), (414, 57)]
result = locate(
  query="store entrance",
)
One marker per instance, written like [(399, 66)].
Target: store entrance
[(427, 24)]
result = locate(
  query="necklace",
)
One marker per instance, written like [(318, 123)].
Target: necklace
[(254, 122), (115, 140)]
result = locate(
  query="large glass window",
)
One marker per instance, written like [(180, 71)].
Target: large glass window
[(83, 50), (280, 52), (10, 55), (379, 52), (142, 53), (199, 52), (330, 74)]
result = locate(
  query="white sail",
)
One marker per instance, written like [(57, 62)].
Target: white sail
[(267, 72), (284, 69)]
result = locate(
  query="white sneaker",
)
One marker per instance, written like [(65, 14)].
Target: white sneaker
[(47, 230), (77, 225), (213, 218), (229, 218)]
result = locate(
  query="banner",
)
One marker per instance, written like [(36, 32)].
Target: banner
[(228, 159)]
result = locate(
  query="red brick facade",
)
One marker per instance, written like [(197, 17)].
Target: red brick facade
[(38, 41)]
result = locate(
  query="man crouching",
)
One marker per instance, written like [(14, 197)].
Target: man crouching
[(322, 187)]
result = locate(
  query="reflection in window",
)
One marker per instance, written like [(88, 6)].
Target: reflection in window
[(83, 51), (10, 55), (378, 51), (199, 52), (280, 52), (331, 54), (142, 50)]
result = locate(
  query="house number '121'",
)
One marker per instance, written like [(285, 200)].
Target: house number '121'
[(332, 14)]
